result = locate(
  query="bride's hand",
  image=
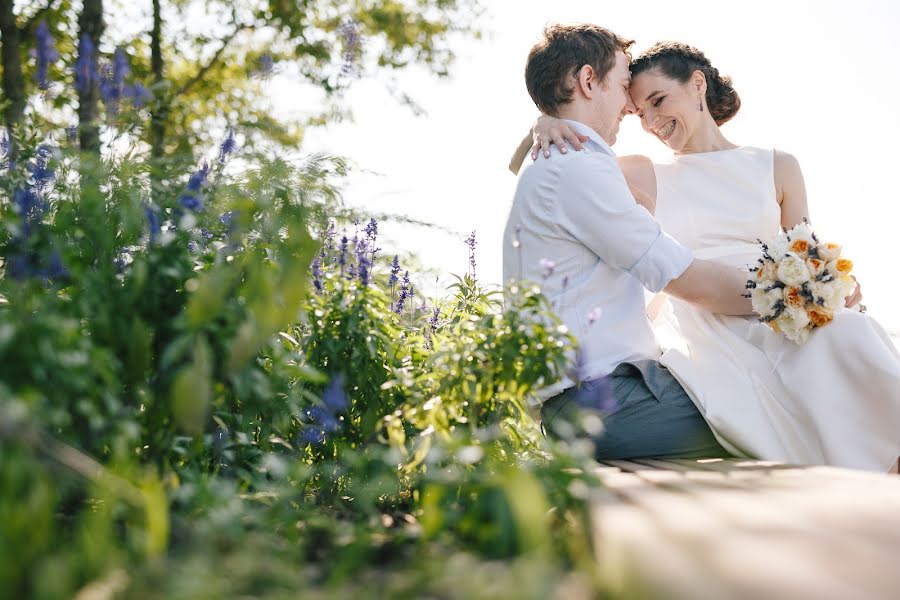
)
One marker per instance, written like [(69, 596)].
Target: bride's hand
[(550, 130), (854, 298)]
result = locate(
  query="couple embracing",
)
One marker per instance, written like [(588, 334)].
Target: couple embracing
[(686, 230)]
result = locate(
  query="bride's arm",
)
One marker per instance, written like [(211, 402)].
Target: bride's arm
[(518, 157), (790, 189), (547, 130), (641, 179)]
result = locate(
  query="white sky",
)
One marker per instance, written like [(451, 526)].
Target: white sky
[(817, 79)]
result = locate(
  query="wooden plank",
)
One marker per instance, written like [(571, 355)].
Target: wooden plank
[(753, 529)]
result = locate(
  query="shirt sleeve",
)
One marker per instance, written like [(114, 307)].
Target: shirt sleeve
[(599, 211)]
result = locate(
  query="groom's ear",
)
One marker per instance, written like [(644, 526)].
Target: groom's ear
[(586, 80)]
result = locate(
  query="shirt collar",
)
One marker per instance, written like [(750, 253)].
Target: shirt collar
[(583, 129)]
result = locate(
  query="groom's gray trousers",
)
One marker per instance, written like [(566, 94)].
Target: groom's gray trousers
[(638, 410)]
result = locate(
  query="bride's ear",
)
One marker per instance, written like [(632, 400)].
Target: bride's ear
[(698, 81)]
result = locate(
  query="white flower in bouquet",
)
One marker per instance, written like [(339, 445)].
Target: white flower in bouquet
[(778, 247), (764, 302), (829, 251), (793, 324), (792, 270), (816, 266)]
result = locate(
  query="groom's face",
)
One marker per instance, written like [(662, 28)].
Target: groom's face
[(614, 102)]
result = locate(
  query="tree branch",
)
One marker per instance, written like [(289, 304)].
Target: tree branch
[(212, 61), (28, 28)]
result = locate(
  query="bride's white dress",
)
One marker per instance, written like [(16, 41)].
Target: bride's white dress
[(834, 400)]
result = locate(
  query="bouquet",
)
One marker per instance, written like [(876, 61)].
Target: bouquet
[(800, 283)]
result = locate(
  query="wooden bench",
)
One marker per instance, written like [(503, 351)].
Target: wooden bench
[(722, 529)]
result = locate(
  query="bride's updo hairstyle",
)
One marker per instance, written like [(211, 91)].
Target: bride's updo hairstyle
[(679, 61)]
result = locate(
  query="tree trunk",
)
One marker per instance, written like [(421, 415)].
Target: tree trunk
[(159, 112), (90, 23), (13, 82)]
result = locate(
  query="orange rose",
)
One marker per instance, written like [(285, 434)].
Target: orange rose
[(844, 265), (799, 246), (815, 266), (819, 316), (793, 298)]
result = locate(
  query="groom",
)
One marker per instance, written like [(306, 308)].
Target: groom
[(575, 212)]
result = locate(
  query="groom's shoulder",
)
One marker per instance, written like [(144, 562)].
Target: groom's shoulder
[(587, 163)]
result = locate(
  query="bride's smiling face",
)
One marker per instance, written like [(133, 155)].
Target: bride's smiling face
[(668, 109)]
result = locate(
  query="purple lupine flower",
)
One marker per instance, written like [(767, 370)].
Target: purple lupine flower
[(311, 436), (395, 270), (547, 267), (342, 256), (228, 218), (112, 81), (86, 75), (352, 40), (361, 248), (470, 242), (364, 272), (228, 146), (335, 397), (153, 223), (317, 274), (30, 207), (405, 288), (266, 66), (192, 197), (45, 54), (41, 173), (329, 237), (139, 94)]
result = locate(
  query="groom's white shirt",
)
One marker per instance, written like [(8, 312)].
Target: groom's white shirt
[(576, 210)]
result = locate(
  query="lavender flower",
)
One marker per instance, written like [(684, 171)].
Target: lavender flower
[(153, 223), (41, 173), (395, 270), (433, 321), (404, 292), (192, 197), (266, 66), (372, 236), (323, 420), (342, 257), (317, 274), (86, 75), (227, 147), (45, 54), (329, 237), (364, 272), (352, 40), (547, 267), (139, 94), (470, 242), (112, 82)]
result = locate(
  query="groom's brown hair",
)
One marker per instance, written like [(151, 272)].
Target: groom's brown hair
[(554, 62)]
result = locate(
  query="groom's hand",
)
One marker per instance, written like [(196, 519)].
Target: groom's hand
[(856, 297)]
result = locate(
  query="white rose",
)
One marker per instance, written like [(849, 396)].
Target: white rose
[(778, 247), (792, 271), (764, 302), (829, 252), (793, 323), (803, 232), (816, 266)]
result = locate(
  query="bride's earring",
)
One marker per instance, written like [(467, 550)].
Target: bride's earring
[(700, 104)]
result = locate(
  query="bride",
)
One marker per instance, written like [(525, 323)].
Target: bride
[(835, 399)]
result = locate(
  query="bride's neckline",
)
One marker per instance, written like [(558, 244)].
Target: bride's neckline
[(687, 154)]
